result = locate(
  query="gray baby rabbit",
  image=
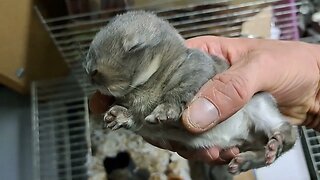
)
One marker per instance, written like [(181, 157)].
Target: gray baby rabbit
[(142, 61)]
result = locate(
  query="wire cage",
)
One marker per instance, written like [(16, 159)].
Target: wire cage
[(73, 33), (60, 114), (60, 128)]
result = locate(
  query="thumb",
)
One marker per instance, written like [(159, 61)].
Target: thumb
[(222, 96)]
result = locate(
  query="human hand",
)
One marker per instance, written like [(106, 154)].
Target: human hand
[(99, 103), (288, 70)]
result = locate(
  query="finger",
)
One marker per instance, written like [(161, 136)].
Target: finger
[(158, 144), (164, 144), (205, 155), (313, 121), (99, 103), (222, 96), (207, 44), (210, 156), (198, 43), (228, 154)]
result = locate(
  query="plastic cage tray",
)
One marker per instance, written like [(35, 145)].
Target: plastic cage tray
[(310, 138)]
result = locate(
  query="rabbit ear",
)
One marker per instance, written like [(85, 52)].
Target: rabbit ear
[(132, 44), (139, 40)]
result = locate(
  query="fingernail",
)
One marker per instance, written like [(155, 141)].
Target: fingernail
[(202, 113)]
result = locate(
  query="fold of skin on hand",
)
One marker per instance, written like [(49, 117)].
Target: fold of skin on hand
[(288, 70)]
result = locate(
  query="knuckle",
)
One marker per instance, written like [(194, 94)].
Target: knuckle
[(315, 122), (235, 86), (312, 119)]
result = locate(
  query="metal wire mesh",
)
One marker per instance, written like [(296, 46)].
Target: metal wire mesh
[(60, 130), (60, 116), (74, 33)]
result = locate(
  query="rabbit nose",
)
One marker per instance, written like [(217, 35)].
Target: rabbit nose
[(94, 73)]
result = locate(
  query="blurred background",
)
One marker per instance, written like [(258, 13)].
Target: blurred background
[(43, 91)]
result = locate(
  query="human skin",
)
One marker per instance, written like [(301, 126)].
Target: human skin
[(289, 70)]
